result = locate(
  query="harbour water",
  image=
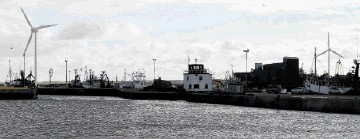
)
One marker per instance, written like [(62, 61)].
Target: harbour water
[(112, 117)]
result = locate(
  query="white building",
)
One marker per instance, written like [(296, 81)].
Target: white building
[(197, 79)]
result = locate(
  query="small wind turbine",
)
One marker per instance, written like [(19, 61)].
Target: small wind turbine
[(34, 30), (329, 50)]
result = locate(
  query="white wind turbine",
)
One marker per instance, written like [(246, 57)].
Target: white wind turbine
[(329, 50), (34, 30)]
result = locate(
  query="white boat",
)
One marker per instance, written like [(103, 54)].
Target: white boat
[(317, 87)]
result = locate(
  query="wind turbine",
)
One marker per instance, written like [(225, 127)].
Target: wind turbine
[(329, 50), (34, 30)]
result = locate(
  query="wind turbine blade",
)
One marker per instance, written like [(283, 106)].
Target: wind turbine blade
[(27, 19), (336, 53), (329, 40), (28, 42), (45, 26), (322, 53)]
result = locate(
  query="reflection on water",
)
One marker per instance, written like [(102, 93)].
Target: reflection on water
[(84, 116)]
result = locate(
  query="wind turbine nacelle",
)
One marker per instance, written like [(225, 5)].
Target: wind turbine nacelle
[(34, 30)]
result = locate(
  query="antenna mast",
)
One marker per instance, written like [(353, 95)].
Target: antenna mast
[(86, 74), (124, 78), (10, 72), (188, 59)]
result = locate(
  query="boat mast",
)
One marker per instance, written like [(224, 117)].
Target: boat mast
[(315, 61)]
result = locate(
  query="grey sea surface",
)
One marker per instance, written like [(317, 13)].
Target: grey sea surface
[(112, 117)]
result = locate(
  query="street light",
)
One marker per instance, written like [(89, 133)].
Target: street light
[(246, 51), (66, 73), (51, 71), (24, 66), (69, 77), (154, 68)]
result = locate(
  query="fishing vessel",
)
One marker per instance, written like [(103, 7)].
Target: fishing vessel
[(18, 88), (94, 82)]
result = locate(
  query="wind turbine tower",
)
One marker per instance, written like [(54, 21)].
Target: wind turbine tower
[(34, 30)]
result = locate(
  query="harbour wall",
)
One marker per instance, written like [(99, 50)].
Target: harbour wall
[(322, 103), (18, 93), (78, 91), (128, 94)]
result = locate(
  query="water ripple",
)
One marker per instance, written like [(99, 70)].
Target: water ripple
[(111, 117)]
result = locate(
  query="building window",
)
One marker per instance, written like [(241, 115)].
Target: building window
[(187, 77), (189, 86), (200, 78), (206, 86), (196, 86)]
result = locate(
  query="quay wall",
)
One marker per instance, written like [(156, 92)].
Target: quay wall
[(18, 93), (322, 103), (78, 91), (331, 104)]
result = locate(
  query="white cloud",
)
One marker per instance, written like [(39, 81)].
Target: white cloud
[(134, 29), (82, 31)]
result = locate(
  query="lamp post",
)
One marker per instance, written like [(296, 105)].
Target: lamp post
[(154, 67), (246, 51), (66, 72), (24, 72), (51, 71), (24, 66), (69, 77)]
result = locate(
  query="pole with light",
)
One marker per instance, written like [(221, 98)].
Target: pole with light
[(51, 71), (66, 72), (69, 77), (246, 51), (154, 67)]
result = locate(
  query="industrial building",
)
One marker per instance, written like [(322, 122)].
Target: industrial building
[(285, 74)]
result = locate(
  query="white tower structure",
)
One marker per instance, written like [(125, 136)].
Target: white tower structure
[(197, 79)]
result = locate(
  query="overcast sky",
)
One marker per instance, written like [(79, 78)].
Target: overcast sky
[(112, 35)]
